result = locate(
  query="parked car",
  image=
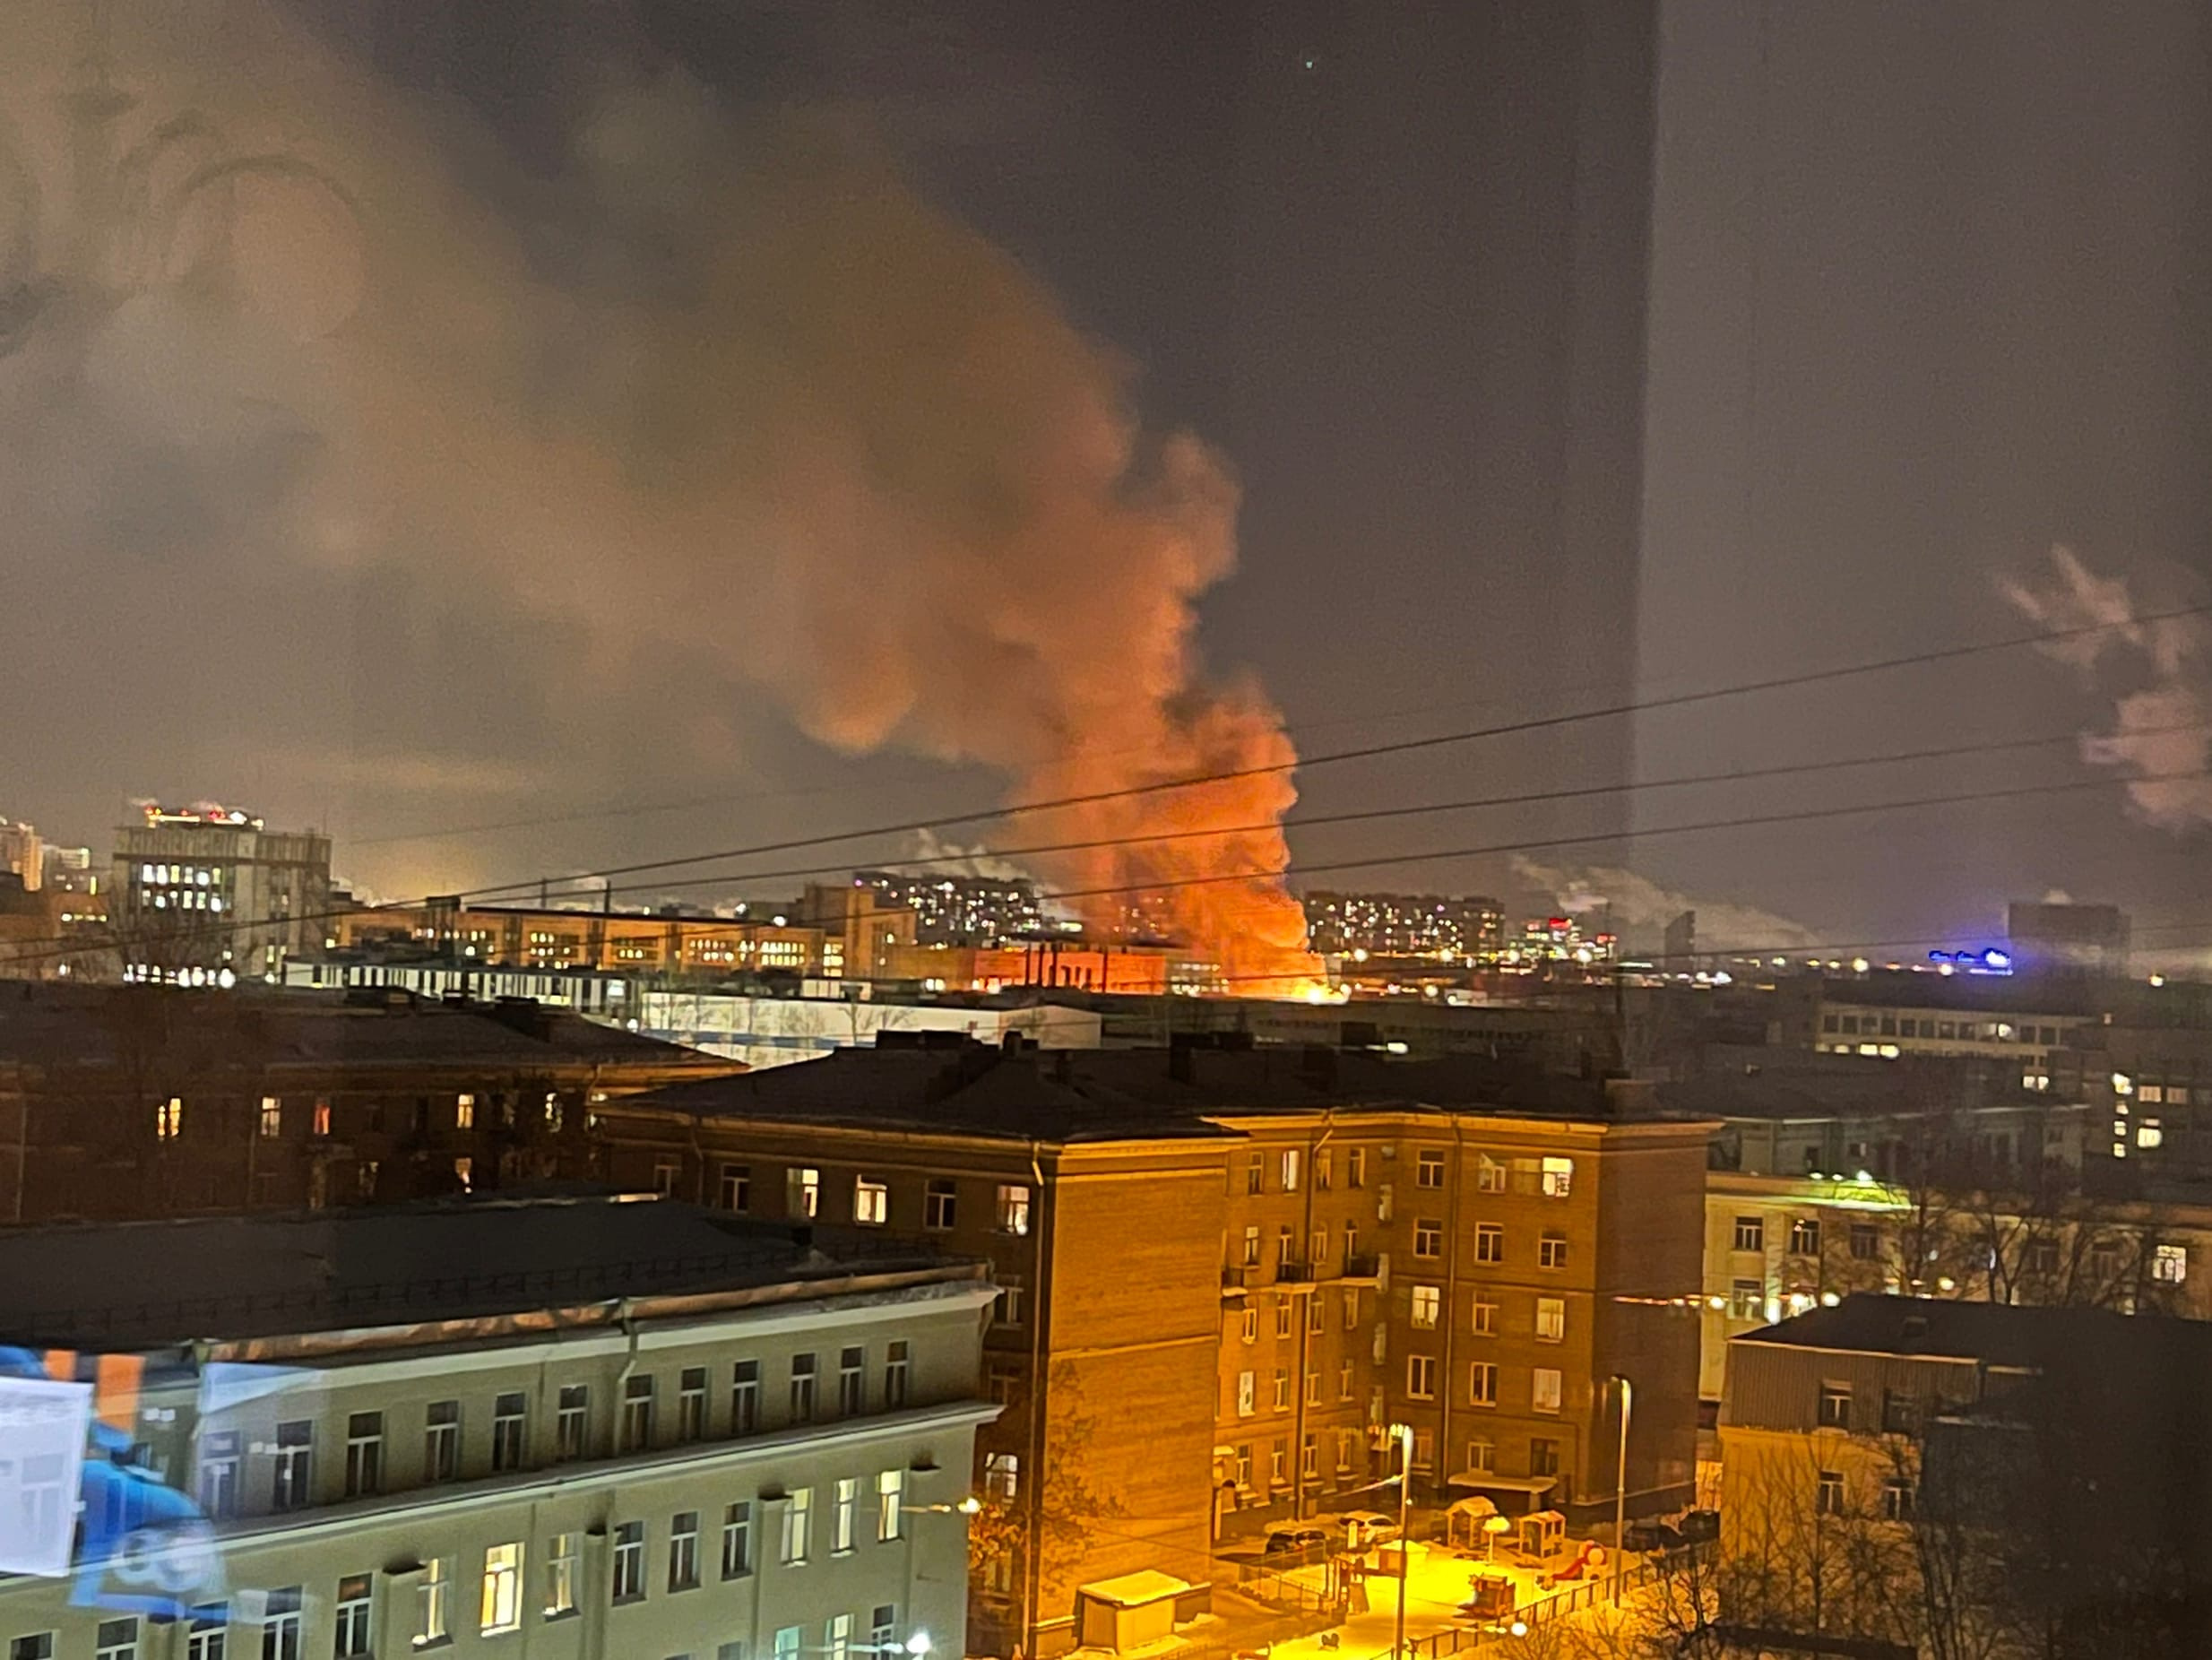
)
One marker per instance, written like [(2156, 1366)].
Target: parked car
[(1697, 1526), (1303, 1537), (1364, 1528), (1652, 1535)]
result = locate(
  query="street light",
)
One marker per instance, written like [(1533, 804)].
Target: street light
[(1403, 1433), (970, 1505), (1620, 1490), (1492, 1526)]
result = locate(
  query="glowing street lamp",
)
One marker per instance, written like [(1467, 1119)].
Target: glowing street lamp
[(1403, 1433)]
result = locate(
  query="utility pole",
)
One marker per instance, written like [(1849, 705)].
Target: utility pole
[(1403, 1433), (1620, 1491)]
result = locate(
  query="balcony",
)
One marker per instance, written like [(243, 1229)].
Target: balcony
[(1294, 1274), (1237, 1279), (1363, 1268)]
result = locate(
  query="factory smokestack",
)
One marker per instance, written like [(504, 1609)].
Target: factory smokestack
[(708, 385)]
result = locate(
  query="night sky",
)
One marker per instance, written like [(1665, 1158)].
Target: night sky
[(1563, 355)]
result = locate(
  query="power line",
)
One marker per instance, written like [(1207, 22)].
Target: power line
[(1368, 752), (1365, 814)]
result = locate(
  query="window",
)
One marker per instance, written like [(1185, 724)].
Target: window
[(168, 1120), (1309, 1457), (1428, 1238), (1897, 1500), (1551, 1319), (1557, 1177), (1900, 1413), (1483, 1383), (464, 1112), (433, 1602), (684, 1550), (1382, 1202), (1009, 1300), (637, 1412), (1747, 1300), (802, 1191), (1251, 1246), (1278, 1464), (271, 1118), (941, 1205), (1836, 1406), (294, 1468), (737, 1539), (883, 1629), (1552, 1251), (351, 1618), (1750, 1233), (798, 1527), (218, 1474), (1282, 1389), (1427, 1300), (1424, 1449), (1485, 1318), (569, 1421), (1290, 1170), (733, 1187), (665, 1173), (851, 1381), (2148, 1133), (1247, 1401), (872, 1202), (364, 1453), (802, 1388), (1429, 1169), (787, 1643), (1244, 1465), (890, 1505), (1543, 1389), (1250, 1323), (838, 1636), (560, 1575), (1482, 1455), (279, 1624), (1286, 1253), (1490, 1243), (117, 1640), (1322, 1168), (1313, 1388), (208, 1639), (1421, 1377), (1256, 1173), (844, 1515), (629, 1581), (1805, 1237), (744, 1397), (1013, 1208), (1283, 1312), (1489, 1174), (1344, 1381), (1355, 1167), (38, 1646), (734, 1649), (2169, 1264), (896, 1369), (441, 1441), (1828, 1501), (320, 1121), (1352, 1308), (1866, 1242), (1544, 1455), (2042, 1257)]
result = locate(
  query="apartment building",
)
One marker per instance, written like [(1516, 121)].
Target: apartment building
[(209, 895), (125, 1103), (1223, 1270), (2022, 1022), (572, 1429)]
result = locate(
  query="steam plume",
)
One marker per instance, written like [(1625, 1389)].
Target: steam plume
[(2162, 727), (1638, 902), (715, 386)]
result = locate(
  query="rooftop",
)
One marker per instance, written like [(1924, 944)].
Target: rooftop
[(1743, 1081), (148, 1285), (1071, 1096), (1991, 1334), (49, 1025)]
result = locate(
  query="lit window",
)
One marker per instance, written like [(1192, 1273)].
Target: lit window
[(1559, 1177), (271, 1118), (464, 1112), (1290, 1170), (804, 1197), (1805, 1237), (1013, 1208), (1247, 1395), (872, 1202), (890, 1504), (797, 1527), (1551, 1319), (431, 1619), (1002, 1475), (1427, 1299), (168, 1120), (2148, 1133), (560, 1575), (1544, 1389), (503, 1586), (2169, 1264)]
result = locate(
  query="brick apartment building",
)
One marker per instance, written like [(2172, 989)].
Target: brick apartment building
[(125, 1103), (1223, 1269)]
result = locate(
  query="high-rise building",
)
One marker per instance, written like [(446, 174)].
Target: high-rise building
[(598, 1430), (1455, 928), (23, 853), (209, 895), (960, 910)]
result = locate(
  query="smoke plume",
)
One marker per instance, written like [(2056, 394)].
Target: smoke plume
[(1638, 902), (2162, 723), (710, 386)]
